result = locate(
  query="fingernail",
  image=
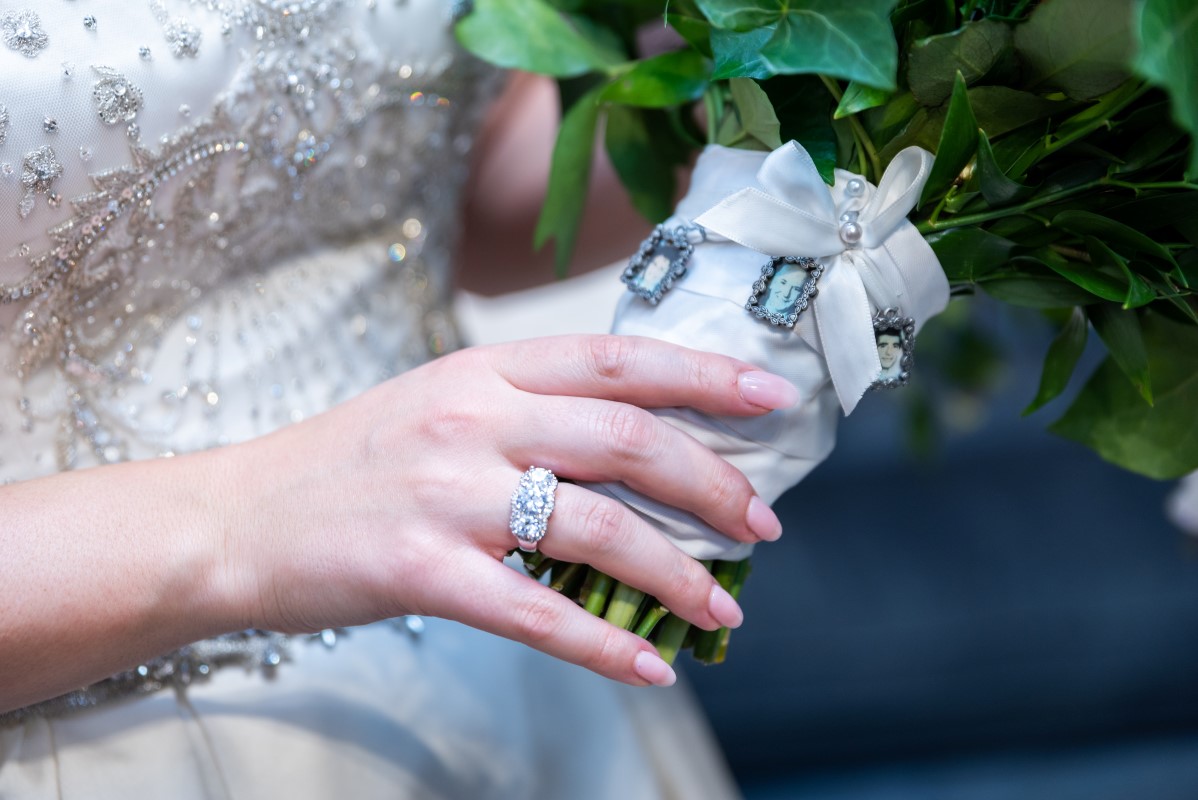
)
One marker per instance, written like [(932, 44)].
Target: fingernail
[(768, 390), (724, 608), (763, 521), (653, 669)]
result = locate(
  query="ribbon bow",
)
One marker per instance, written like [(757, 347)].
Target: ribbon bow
[(873, 257)]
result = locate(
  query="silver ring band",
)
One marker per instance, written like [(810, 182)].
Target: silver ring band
[(532, 503)]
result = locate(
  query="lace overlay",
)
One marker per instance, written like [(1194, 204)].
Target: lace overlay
[(217, 218)]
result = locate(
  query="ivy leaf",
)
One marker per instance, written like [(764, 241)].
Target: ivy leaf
[(967, 254), (958, 142), (1081, 47), (973, 50), (696, 32), (741, 15), (997, 188), (738, 55), (569, 174), (666, 80), (1160, 441), (803, 107), (852, 41), (756, 113), (533, 36), (648, 177), (1167, 35), (1123, 336), (1063, 355), (858, 97)]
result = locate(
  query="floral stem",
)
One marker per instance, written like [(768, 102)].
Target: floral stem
[(625, 602), (649, 621), (595, 600), (670, 637)]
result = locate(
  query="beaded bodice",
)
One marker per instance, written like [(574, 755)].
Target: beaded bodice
[(218, 216)]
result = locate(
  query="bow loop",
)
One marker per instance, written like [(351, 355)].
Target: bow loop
[(860, 234)]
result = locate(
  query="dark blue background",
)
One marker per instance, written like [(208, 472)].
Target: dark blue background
[(1012, 618)]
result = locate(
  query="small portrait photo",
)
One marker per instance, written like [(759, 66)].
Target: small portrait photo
[(660, 261), (895, 337), (784, 290)]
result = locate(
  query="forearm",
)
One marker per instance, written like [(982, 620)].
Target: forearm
[(106, 567)]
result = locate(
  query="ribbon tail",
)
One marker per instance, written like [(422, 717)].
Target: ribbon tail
[(844, 316)]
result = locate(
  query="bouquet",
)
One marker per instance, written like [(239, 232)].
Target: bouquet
[(1065, 179)]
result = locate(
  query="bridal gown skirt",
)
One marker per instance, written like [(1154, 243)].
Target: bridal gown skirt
[(384, 713)]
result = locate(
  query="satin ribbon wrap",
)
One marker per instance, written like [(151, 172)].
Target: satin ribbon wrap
[(774, 205), (792, 212)]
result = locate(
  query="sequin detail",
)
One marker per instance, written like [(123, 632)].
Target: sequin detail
[(22, 31), (3, 124), (183, 38), (117, 100)]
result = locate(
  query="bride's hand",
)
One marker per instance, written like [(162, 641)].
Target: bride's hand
[(398, 501)]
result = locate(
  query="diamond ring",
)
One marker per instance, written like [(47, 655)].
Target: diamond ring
[(532, 503)]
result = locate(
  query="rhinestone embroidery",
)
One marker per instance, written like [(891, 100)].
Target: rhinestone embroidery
[(39, 171), (117, 100), (186, 250), (23, 32), (3, 123), (183, 37)]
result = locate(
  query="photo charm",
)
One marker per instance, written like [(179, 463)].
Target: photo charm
[(660, 261), (784, 290), (895, 336)]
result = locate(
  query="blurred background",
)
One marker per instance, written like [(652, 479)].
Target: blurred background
[(963, 605)]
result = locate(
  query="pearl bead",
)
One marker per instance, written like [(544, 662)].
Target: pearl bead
[(855, 187), (851, 233), (849, 216)]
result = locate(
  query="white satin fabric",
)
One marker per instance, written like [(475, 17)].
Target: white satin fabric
[(775, 204), (316, 268)]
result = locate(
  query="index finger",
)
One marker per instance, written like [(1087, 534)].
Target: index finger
[(645, 372)]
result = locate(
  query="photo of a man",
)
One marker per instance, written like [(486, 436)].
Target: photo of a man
[(890, 352)]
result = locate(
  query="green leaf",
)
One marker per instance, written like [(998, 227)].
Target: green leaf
[(859, 97), (1112, 232), (967, 254), (1107, 284), (533, 36), (647, 176), (696, 32), (804, 109), (756, 113), (958, 142), (1139, 293), (1160, 441), (666, 80), (1081, 47), (1035, 291), (973, 50), (851, 41), (738, 55), (997, 188), (741, 15), (1167, 55), (1123, 336), (569, 175), (1061, 360)]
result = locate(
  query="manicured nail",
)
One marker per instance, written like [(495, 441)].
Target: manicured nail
[(768, 390), (763, 521), (724, 608), (653, 669)]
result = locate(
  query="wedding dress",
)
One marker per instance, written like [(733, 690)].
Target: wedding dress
[(218, 217)]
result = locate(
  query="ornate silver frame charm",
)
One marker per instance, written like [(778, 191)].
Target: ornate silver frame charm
[(660, 261), (895, 335), (778, 298)]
